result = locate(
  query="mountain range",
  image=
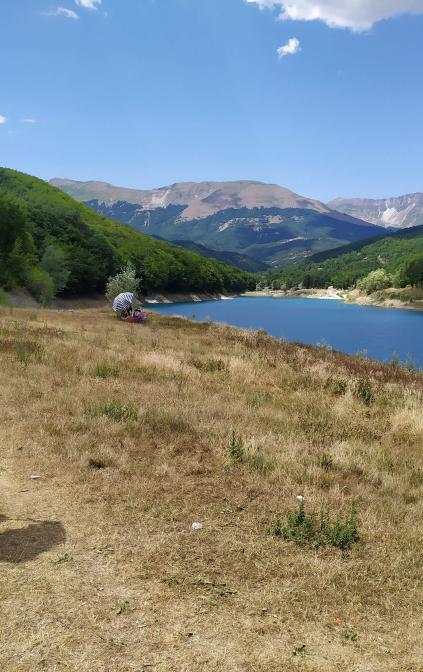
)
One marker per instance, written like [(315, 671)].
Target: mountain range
[(400, 212), (265, 222)]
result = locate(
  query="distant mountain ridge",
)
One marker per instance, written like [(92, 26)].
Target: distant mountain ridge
[(400, 212), (201, 199), (267, 222)]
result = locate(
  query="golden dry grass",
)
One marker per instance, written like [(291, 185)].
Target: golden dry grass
[(118, 495)]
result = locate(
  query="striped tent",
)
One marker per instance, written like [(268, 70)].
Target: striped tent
[(123, 301)]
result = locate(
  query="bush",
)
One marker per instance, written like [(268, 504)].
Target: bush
[(316, 531), (125, 281), (375, 281), (41, 285)]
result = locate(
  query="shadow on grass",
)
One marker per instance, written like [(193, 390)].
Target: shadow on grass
[(26, 543)]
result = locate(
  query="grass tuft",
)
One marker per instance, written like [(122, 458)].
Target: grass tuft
[(236, 448), (115, 410), (105, 370)]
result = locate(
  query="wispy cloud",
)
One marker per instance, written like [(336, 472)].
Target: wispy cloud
[(88, 4), (63, 11), (28, 120), (358, 15), (2, 119), (290, 48)]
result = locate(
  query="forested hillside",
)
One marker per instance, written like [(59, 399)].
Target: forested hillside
[(50, 243), (399, 255)]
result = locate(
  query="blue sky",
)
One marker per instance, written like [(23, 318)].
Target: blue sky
[(143, 93)]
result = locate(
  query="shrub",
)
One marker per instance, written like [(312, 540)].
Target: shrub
[(316, 530), (125, 281)]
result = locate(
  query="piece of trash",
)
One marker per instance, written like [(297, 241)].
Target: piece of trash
[(197, 526), (300, 498), (35, 477)]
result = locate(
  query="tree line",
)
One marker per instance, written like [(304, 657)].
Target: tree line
[(51, 244)]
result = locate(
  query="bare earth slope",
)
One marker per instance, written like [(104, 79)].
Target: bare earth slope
[(129, 429), (399, 212)]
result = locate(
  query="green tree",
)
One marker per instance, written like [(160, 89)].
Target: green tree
[(53, 262), (413, 271), (375, 281), (12, 222), (41, 285)]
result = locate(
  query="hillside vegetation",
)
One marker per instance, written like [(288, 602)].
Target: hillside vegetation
[(397, 254), (138, 432), (37, 219), (270, 235)]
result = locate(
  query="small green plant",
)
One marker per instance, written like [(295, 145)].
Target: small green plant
[(208, 365), (299, 650), (363, 390), (25, 351), (395, 361), (236, 448), (277, 528), (336, 386), (115, 411), (95, 463), (316, 530), (410, 364), (324, 345), (350, 635), (62, 559), (121, 607), (325, 461), (106, 370), (258, 461)]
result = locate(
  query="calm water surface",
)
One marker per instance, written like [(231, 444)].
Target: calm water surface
[(383, 333)]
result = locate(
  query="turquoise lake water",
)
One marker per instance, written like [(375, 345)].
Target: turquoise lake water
[(383, 333)]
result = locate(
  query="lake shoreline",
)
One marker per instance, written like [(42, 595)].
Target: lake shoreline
[(383, 299)]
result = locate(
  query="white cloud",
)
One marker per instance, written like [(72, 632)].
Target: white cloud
[(62, 11), (358, 15), (88, 4), (290, 48), (28, 120), (2, 119)]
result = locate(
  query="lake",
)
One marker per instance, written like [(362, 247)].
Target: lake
[(382, 333)]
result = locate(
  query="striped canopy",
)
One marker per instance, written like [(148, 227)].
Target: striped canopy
[(123, 301)]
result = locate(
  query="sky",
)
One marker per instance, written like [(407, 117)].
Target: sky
[(323, 97)]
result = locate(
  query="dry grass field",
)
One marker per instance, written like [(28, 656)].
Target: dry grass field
[(129, 429)]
